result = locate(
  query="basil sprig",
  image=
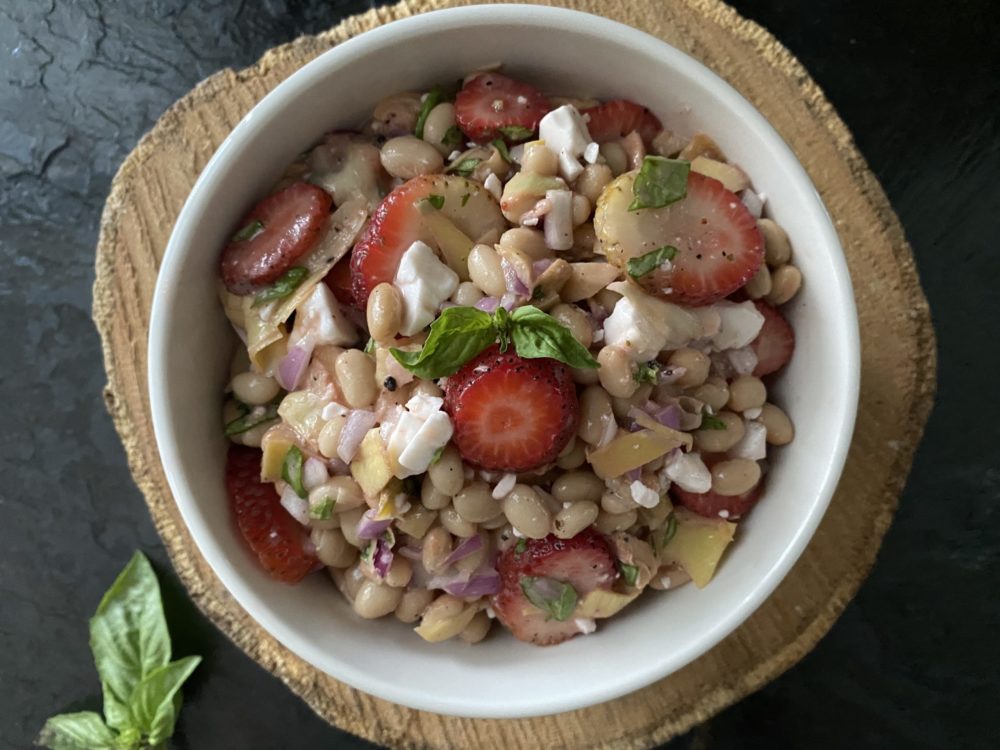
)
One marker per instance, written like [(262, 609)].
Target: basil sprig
[(555, 598), (639, 267), (141, 685), (291, 470), (432, 99), (516, 132), (284, 286), (660, 182), (460, 333)]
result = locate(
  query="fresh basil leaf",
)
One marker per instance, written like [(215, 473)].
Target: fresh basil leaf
[(502, 324), (669, 530), (452, 136), (249, 419), (128, 636), (284, 286), (629, 573), (639, 267), (556, 598), (465, 167), (436, 200), (152, 705), (711, 422), (500, 146), (647, 372), (432, 99), (291, 470), (458, 335), (660, 182), (521, 546), (85, 730), (248, 232), (536, 334), (516, 132), (324, 510)]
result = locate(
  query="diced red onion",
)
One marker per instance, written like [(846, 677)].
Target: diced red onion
[(509, 301), (369, 528), (634, 475), (515, 284), (483, 582), (670, 416), (487, 304), (314, 473), (468, 547), (292, 367), (753, 202), (353, 432), (337, 466), (541, 266), (743, 360), (296, 506), (598, 311), (383, 557), (411, 553)]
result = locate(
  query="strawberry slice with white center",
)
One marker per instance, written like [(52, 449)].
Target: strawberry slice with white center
[(276, 233), (509, 413), (616, 119), (545, 567), (491, 104), (775, 343), (399, 222), (718, 246)]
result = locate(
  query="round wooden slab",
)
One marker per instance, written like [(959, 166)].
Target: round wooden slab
[(898, 367)]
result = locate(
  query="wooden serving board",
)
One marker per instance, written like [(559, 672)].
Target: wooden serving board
[(898, 373)]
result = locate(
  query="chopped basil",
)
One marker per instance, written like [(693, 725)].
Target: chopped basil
[(436, 200), (629, 573), (284, 286), (250, 231), (660, 182), (555, 598), (647, 372), (452, 136), (521, 546), (248, 420), (639, 267), (537, 294), (500, 146), (324, 510), (669, 530), (516, 132), (465, 199), (465, 167), (711, 422), (291, 470), (368, 552), (437, 455), (432, 99), (370, 346)]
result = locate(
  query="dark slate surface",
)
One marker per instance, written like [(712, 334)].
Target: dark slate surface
[(913, 661)]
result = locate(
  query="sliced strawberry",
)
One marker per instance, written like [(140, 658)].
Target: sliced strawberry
[(510, 413), (616, 119), (277, 232), (398, 223), (585, 562), (711, 504), (272, 534), (339, 281), (775, 342), (492, 101)]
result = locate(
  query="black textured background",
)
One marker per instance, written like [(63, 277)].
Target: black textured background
[(912, 663)]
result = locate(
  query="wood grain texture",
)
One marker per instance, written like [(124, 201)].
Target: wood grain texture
[(898, 371)]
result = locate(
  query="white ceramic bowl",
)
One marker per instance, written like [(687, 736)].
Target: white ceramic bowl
[(560, 51)]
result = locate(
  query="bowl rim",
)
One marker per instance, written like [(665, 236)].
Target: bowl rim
[(326, 64)]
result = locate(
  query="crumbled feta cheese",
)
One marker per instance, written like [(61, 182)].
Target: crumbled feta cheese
[(598, 335), (643, 325), (516, 533), (454, 155), (504, 486), (739, 324), (435, 433), (689, 473), (424, 405), (665, 582), (723, 513), (320, 320), (424, 282), (591, 153), (419, 431), (742, 360), (565, 132), (585, 625), (643, 495), (490, 613), (559, 220), (333, 409), (493, 184), (753, 444)]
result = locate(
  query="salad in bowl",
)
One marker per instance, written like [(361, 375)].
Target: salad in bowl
[(505, 359)]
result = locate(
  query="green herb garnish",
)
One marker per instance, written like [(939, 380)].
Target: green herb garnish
[(465, 199), (647, 372), (248, 419), (284, 286), (669, 531), (629, 573), (436, 200), (521, 546), (250, 231), (370, 346), (711, 422), (141, 686), (323, 510), (500, 146), (556, 598), (291, 470), (660, 182), (516, 132), (437, 455), (639, 267), (452, 136), (460, 333), (433, 98), (465, 167)]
